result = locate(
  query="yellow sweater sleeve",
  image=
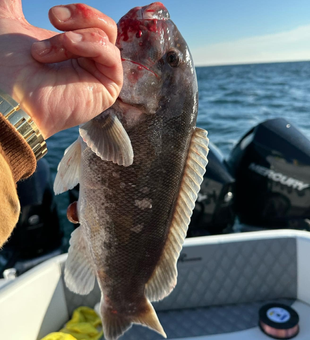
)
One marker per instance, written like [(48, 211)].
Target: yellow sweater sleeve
[(17, 161), (9, 207)]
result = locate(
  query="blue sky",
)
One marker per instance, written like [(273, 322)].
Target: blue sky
[(219, 31)]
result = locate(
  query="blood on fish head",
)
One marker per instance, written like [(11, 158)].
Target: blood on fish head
[(142, 23), (155, 57)]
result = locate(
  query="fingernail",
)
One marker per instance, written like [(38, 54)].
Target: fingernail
[(61, 13), (42, 47), (74, 37)]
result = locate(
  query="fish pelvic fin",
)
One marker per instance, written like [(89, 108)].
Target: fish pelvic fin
[(115, 325), (164, 277), (79, 270), (108, 139), (68, 172)]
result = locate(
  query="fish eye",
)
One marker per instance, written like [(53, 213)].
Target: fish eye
[(173, 58)]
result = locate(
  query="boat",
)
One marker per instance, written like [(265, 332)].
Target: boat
[(37, 235), (263, 184), (225, 275), (223, 281), (271, 168)]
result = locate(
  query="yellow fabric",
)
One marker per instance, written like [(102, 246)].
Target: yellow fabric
[(83, 326), (59, 336)]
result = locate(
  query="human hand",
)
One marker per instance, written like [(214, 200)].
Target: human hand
[(66, 79)]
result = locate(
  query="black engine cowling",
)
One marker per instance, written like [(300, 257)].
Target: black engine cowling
[(213, 213), (271, 166)]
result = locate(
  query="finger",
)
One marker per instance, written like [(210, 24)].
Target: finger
[(88, 43), (79, 16), (93, 49)]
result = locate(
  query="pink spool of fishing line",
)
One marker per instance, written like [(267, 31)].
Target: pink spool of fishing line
[(279, 321)]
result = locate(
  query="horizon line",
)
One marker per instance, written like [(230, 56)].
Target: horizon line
[(254, 63)]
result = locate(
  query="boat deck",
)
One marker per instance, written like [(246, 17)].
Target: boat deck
[(202, 323), (223, 281)]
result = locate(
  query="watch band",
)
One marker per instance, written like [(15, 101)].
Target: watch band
[(11, 110)]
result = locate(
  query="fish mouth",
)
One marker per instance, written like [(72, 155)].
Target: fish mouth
[(125, 106), (130, 113), (140, 65)]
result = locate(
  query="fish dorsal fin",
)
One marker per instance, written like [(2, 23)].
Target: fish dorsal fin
[(79, 271), (164, 277), (68, 174), (108, 139)]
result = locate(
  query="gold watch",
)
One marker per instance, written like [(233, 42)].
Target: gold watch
[(23, 124)]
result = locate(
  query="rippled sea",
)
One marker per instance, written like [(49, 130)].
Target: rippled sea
[(232, 99)]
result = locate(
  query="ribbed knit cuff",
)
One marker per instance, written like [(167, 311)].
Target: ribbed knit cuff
[(16, 151)]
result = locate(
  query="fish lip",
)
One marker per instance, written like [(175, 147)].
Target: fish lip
[(141, 65), (139, 107)]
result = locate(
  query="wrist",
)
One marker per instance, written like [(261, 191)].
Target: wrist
[(16, 151)]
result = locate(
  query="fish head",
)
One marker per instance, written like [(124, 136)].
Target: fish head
[(157, 64)]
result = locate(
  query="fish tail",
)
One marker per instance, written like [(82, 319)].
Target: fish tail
[(115, 324)]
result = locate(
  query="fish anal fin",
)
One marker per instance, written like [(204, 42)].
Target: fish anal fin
[(79, 270), (108, 139), (164, 277), (115, 324), (68, 174)]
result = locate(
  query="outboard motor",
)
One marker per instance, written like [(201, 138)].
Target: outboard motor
[(271, 166), (37, 231), (213, 212)]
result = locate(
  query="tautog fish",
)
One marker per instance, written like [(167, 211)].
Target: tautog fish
[(139, 165)]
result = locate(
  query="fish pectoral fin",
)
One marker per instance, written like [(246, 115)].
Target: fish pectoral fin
[(114, 324), (79, 270), (164, 277), (108, 139), (68, 174)]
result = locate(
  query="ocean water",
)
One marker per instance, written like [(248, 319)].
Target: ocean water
[(232, 99)]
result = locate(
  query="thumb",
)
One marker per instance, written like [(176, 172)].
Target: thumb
[(11, 9)]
